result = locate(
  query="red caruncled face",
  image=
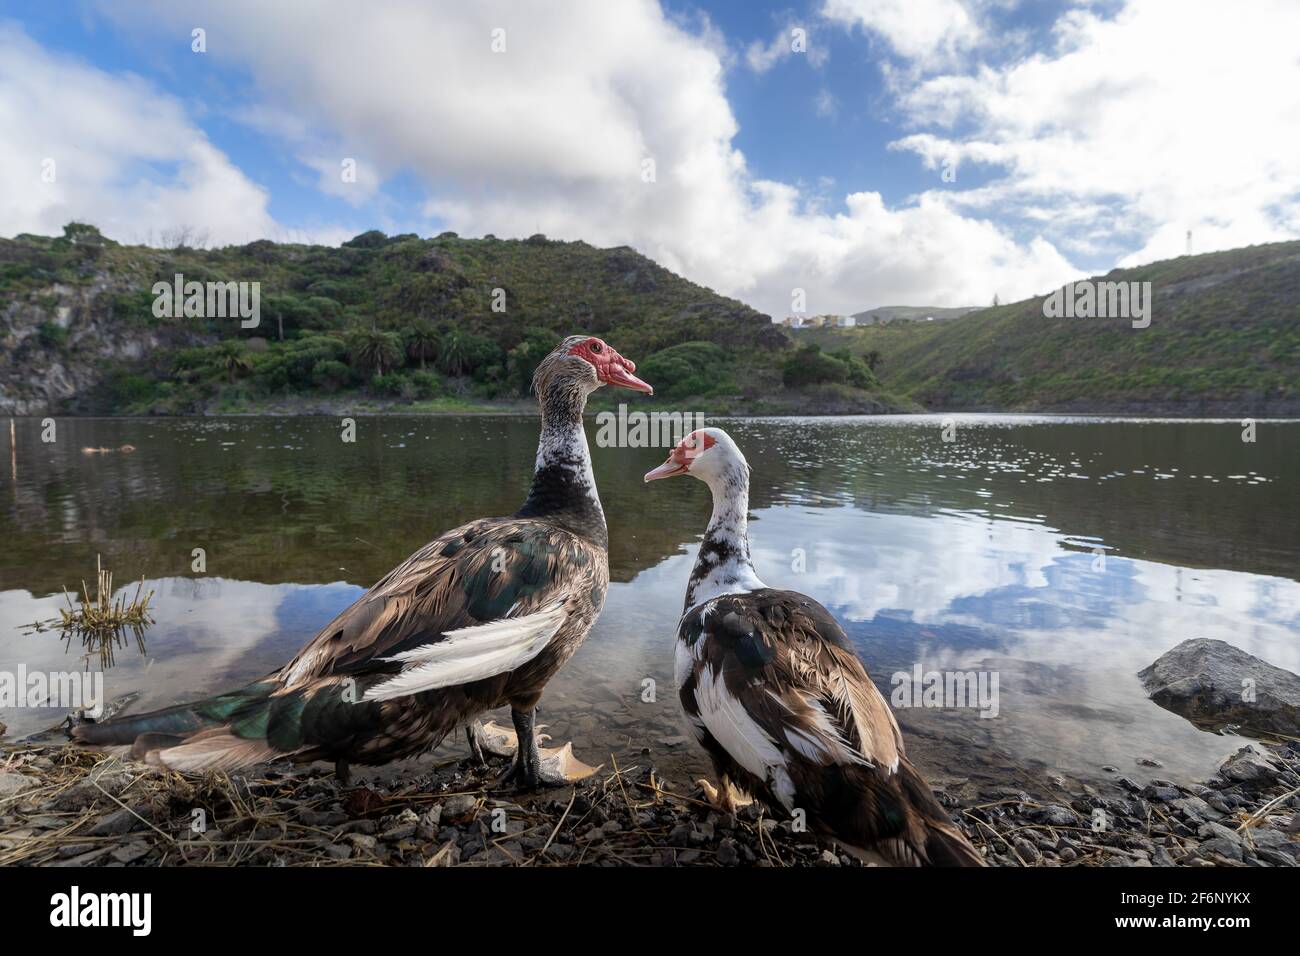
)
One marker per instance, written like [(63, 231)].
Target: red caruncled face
[(679, 460), (611, 368)]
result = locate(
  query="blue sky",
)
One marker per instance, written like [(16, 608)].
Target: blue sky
[(1078, 135)]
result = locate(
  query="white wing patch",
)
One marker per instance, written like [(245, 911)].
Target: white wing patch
[(740, 736), (472, 653), (826, 744)]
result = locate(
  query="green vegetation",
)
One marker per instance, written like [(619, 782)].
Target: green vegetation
[(451, 322), (1224, 337), (384, 318), (692, 368), (811, 366), (52, 335)]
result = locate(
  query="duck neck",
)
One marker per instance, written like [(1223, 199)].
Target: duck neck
[(723, 565), (564, 488)]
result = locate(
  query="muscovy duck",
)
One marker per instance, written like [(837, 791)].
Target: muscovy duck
[(775, 694), (481, 617)]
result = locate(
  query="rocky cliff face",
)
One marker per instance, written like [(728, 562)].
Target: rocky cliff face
[(58, 342)]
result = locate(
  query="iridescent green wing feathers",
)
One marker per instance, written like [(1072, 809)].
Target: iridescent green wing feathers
[(476, 574)]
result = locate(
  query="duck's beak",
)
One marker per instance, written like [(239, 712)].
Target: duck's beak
[(618, 372), (667, 470)]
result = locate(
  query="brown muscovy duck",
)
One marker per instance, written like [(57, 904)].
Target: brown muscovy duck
[(775, 694), (481, 617)]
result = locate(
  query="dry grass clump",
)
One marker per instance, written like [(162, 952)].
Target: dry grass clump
[(104, 623)]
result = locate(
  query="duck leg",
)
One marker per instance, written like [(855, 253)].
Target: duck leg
[(474, 734), (555, 766), (525, 769), (343, 772)]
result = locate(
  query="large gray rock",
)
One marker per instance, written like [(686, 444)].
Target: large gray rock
[(1214, 684)]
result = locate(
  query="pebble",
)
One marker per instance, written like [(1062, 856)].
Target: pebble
[(116, 823), (1058, 816), (338, 851), (460, 808), (1028, 852), (728, 855), (131, 852), (1161, 794), (316, 818), (398, 833)]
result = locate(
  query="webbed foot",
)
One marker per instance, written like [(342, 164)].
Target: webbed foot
[(725, 798)]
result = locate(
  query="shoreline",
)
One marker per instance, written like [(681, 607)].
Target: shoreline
[(66, 806), (529, 410)]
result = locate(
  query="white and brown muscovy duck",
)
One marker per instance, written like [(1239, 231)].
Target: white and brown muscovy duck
[(481, 617), (775, 694)]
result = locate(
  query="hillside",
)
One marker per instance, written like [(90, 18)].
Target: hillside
[(1224, 338), (912, 313), (381, 320), (386, 321)]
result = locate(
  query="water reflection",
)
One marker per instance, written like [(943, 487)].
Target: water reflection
[(1063, 555)]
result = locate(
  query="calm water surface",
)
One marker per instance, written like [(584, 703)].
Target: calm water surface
[(1062, 555)]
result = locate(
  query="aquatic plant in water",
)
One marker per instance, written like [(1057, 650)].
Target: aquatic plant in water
[(102, 624)]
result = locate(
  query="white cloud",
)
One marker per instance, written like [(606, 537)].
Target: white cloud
[(1166, 118), (1127, 133), (825, 103), (925, 31), (795, 40), (550, 136), (125, 156)]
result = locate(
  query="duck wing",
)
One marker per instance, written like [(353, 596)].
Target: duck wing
[(775, 692), (480, 600)]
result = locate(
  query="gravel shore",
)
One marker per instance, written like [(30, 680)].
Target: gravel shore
[(61, 806)]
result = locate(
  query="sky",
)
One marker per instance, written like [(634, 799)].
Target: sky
[(852, 153)]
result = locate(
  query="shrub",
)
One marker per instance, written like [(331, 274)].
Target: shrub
[(523, 359), (372, 239), (52, 335), (427, 384), (691, 368), (811, 366), (122, 389), (330, 375), (390, 385), (293, 364), (860, 372)]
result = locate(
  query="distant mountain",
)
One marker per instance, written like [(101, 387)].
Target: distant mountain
[(1224, 338), (912, 313)]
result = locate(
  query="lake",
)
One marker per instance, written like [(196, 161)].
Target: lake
[(1057, 555)]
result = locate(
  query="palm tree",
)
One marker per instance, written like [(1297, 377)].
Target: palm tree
[(421, 341), (371, 348), (453, 356), (232, 356)]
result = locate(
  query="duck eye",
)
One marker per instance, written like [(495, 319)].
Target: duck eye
[(596, 346)]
